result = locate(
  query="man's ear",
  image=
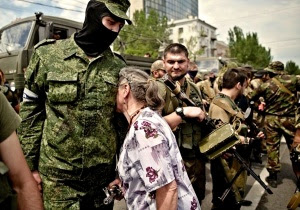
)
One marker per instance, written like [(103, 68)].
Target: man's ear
[(238, 85)]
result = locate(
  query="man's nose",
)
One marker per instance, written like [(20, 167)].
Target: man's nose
[(116, 27), (176, 65)]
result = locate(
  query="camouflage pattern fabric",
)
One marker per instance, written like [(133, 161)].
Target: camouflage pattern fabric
[(276, 127), (85, 193), (187, 135), (67, 112), (206, 89), (279, 112)]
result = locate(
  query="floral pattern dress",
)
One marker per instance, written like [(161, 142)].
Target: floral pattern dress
[(150, 159)]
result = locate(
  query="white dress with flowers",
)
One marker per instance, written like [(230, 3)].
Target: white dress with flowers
[(150, 159)]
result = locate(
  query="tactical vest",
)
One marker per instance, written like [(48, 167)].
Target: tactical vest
[(188, 134), (8, 199)]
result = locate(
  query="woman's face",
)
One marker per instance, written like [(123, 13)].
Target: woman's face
[(121, 96), (112, 24)]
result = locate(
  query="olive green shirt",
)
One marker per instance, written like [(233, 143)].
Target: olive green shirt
[(9, 120)]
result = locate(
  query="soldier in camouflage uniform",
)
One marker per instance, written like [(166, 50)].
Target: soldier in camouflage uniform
[(279, 94), (67, 131), (187, 134)]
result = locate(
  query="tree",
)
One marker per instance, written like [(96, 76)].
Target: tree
[(292, 68), (247, 50), (190, 45), (145, 35)]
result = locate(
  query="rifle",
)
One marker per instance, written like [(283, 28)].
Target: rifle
[(210, 126)]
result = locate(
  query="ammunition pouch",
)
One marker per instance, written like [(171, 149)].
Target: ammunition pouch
[(219, 141)]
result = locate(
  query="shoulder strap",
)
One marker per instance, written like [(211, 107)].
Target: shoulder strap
[(120, 57), (218, 101), (281, 86)]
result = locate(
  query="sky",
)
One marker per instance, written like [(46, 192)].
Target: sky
[(276, 22)]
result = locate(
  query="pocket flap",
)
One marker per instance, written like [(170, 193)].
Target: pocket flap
[(64, 77)]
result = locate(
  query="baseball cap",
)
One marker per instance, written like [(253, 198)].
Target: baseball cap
[(159, 64), (118, 8), (275, 67)]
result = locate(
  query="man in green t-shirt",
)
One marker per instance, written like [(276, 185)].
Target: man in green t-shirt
[(14, 165)]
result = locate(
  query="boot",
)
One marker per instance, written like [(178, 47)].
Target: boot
[(272, 179)]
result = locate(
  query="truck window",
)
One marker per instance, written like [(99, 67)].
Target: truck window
[(15, 37), (60, 33)]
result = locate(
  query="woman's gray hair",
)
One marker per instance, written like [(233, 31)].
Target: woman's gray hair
[(143, 88)]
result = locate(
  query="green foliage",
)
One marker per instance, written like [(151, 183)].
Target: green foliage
[(247, 50), (145, 35), (190, 45), (292, 68)]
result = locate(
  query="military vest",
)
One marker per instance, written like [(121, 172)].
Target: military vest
[(188, 134), (8, 199)]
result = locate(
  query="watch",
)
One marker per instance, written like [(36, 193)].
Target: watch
[(179, 111)]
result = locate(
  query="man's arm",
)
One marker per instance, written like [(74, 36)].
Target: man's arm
[(174, 119), (32, 112), (19, 174)]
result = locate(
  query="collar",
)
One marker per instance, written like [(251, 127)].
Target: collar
[(72, 49)]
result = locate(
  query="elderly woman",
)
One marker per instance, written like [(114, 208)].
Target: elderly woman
[(151, 170)]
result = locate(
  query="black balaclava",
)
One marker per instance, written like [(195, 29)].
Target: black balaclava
[(94, 37)]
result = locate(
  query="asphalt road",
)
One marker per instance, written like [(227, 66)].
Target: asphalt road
[(261, 200)]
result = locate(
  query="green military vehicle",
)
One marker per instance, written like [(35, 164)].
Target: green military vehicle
[(17, 41), (18, 38)]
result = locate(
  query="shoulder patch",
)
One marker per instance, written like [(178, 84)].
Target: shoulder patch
[(120, 57), (44, 42)]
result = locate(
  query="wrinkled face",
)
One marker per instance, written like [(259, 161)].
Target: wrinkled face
[(120, 100), (176, 65), (112, 24)]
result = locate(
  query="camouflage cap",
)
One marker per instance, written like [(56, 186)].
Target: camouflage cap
[(275, 67), (156, 65), (118, 8)]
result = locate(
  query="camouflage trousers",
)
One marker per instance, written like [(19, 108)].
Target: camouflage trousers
[(195, 168), (83, 193), (276, 127)]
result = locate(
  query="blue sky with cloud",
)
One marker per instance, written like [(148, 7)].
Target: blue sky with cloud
[(275, 21)]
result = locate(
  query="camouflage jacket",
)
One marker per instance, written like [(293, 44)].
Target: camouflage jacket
[(280, 99), (68, 107)]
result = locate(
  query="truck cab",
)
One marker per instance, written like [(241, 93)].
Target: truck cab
[(17, 41)]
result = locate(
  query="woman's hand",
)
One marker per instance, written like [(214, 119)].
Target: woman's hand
[(117, 182)]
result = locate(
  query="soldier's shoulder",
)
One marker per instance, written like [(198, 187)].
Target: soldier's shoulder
[(44, 42), (120, 57)]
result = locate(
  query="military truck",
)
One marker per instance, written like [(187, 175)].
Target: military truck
[(18, 38), (17, 41)]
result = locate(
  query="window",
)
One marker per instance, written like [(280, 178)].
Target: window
[(180, 30), (15, 37)]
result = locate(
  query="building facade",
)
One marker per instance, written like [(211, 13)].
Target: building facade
[(197, 35), (172, 9)]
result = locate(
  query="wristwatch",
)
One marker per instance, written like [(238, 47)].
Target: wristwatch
[(179, 111)]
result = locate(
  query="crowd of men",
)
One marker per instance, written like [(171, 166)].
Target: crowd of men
[(70, 133)]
